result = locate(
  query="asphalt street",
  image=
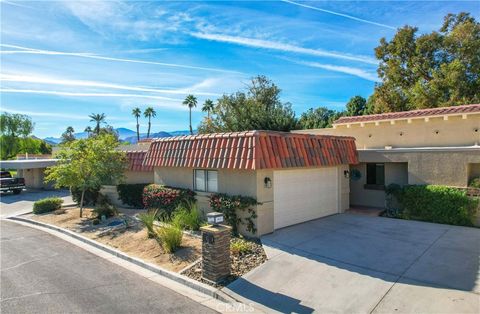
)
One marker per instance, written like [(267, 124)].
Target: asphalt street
[(43, 274)]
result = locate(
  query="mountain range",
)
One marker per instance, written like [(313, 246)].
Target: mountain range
[(124, 134)]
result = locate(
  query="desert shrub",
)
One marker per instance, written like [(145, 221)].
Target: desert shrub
[(90, 198), (188, 217), (165, 198), (104, 207), (148, 219), (231, 205), (475, 183), (392, 193), (240, 246), (47, 205), (131, 194), (170, 237), (436, 203)]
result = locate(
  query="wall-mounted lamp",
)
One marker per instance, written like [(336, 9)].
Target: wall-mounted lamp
[(475, 130), (267, 182), (401, 133), (346, 174), (369, 135), (437, 131)]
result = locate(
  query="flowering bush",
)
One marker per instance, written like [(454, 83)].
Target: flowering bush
[(166, 198), (229, 205)]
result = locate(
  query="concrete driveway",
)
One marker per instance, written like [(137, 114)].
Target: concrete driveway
[(357, 264), (12, 205)]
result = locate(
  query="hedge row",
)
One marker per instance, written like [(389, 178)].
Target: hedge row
[(131, 194), (436, 203)]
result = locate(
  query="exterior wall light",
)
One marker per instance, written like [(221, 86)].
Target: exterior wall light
[(215, 218), (267, 182), (401, 133), (475, 130), (437, 131), (346, 174)]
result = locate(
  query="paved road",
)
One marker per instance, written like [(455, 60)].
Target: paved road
[(12, 205), (43, 274)]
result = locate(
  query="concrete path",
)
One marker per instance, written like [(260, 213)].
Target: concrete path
[(43, 274), (358, 264), (12, 205)]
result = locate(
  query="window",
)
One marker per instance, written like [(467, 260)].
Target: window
[(375, 175), (206, 180)]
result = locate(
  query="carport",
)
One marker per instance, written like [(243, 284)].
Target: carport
[(32, 170)]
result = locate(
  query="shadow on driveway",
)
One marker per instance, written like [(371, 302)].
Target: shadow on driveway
[(349, 263), (31, 195)]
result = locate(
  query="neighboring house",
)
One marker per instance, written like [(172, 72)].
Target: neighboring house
[(295, 177), (430, 146), (32, 168)]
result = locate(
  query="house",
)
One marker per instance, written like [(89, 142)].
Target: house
[(295, 177), (429, 146), (32, 168)]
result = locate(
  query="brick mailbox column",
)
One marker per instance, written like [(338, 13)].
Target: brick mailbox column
[(215, 252)]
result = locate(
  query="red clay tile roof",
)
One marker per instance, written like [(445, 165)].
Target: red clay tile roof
[(135, 161), (252, 150), (412, 114)]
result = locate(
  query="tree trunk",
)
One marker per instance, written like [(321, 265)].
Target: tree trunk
[(138, 131), (81, 202), (149, 124), (191, 131)]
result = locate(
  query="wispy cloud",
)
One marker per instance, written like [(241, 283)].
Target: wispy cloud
[(342, 69), (197, 88), (339, 14), (47, 114), (75, 94), (27, 50), (272, 45)]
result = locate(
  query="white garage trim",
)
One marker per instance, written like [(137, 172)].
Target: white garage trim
[(304, 194)]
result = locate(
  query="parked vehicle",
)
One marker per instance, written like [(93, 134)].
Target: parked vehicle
[(8, 183)]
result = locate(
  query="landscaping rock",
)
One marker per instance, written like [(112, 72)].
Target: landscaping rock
[(241, 264)]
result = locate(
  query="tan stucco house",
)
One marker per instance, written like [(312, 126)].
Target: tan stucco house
[(430, 146), (295, 177)]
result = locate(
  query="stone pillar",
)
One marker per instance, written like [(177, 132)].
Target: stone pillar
[(215, 252)]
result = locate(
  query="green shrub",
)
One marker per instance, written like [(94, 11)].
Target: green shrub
[(148, 219), (131, 194), (230, 206), (475, 183), (187, 217), (89, 199), (104, 207), (240, 246), (170, 237), (165, 198), (436, 203), (47, 205)]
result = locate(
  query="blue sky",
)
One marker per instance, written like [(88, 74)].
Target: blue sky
[(61, 61)]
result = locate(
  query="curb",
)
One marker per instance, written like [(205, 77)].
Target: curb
[(203, 288)]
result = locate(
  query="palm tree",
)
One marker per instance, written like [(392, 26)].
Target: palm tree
[(149, 113), (208, 107), (190, 101), (89, 130), (68, 135), (136, 112), (98, 118)]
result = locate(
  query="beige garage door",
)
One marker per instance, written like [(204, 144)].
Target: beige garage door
[(302, 195)]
